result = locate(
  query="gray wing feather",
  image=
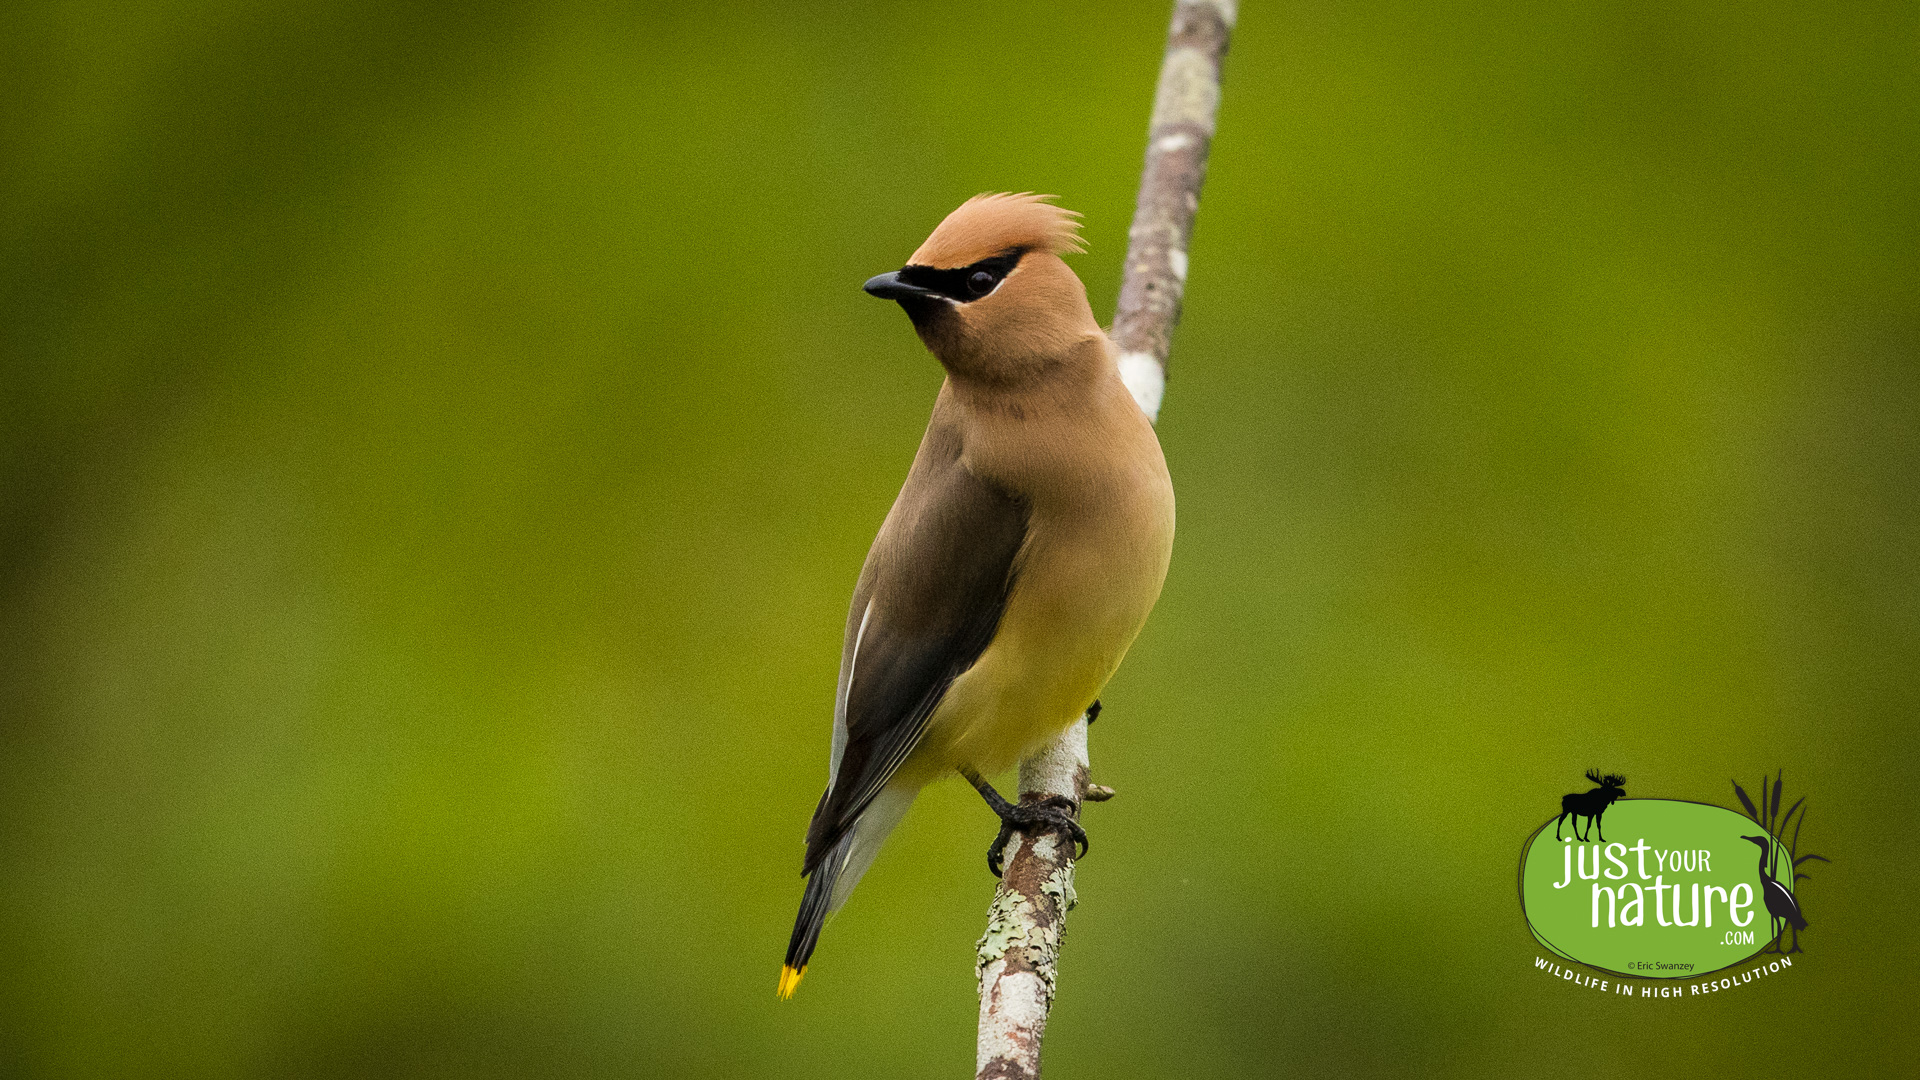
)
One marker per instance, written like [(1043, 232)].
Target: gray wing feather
[(927, 605)]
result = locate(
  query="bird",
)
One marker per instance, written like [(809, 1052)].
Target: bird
[(1780, 902), (1019, 562)]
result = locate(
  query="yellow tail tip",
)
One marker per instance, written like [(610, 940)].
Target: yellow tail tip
[(790, 979)]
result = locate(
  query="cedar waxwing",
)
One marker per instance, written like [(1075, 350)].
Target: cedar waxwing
[(1019, 562)]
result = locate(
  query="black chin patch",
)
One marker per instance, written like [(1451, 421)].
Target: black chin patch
[(960, 284)]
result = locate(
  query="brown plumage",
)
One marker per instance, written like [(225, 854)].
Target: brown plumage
[(1022, 556), (985, 224)]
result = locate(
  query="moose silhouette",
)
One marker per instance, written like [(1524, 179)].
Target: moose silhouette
[(1590, 804)]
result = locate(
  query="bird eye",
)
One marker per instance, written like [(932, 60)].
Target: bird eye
[(981, 282)]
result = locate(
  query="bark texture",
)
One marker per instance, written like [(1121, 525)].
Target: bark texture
[(1017, 958), (1178, 139)]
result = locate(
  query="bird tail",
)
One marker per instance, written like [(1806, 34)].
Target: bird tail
[(833, 880), (814, 909)]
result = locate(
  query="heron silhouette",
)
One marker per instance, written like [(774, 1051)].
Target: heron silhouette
[(1780, 903)]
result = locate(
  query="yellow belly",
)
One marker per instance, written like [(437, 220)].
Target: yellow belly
[(999, 711), (1072, 616)]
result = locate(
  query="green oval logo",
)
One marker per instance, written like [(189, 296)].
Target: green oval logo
[(1677, 889)]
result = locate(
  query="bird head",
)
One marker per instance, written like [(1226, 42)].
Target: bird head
[(1761, 840), (988, 292)]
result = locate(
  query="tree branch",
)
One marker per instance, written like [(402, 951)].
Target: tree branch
[(1178, 139), (1015, 958), (1018, 956)]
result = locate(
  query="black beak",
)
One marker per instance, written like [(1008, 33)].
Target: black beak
[(890, 287)]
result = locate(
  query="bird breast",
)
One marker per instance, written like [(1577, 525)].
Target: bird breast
[(1100, 535)]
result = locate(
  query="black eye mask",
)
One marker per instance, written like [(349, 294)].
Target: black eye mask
[(962, 284)]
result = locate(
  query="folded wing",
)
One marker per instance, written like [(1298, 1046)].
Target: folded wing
[(927, 604)]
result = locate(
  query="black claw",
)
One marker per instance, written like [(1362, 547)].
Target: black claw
[(998, 848), (1048, 815)]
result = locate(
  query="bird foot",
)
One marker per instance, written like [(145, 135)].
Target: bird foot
[(1053, 814), (1048, 815)]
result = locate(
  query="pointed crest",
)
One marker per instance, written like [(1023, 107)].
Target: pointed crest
[(989, 224)]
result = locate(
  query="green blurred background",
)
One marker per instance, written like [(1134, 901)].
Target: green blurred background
[(438, 441)]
